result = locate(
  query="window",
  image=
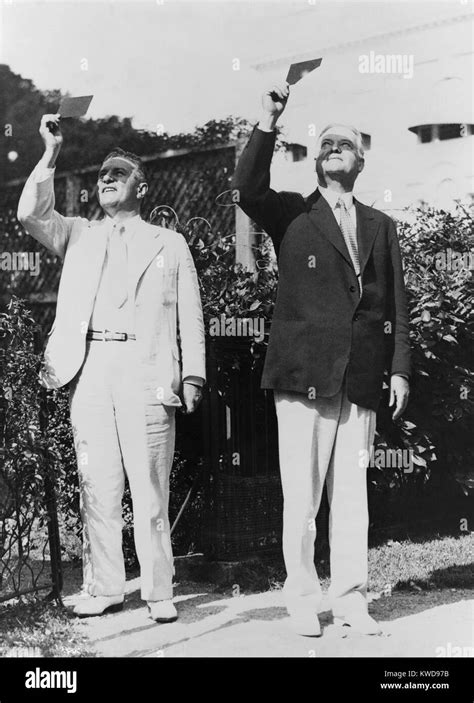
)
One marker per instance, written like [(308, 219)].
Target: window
[(433, 132), (297, 152)]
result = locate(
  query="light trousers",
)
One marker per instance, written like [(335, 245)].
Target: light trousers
[(324, 439), (120, 426)]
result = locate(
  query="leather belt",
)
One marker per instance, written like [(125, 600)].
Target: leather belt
[(107, 336)]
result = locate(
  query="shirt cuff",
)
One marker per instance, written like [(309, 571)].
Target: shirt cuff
[(194, 381)]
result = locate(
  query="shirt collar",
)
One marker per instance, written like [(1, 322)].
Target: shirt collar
[(332, 197), (130, 225)]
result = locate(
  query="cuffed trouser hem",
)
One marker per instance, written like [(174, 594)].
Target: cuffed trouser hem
[(157, 595)]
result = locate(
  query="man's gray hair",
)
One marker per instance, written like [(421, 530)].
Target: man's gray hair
[(358, 136)]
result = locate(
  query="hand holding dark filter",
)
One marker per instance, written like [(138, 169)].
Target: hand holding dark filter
[(273, 103), (51, 133)]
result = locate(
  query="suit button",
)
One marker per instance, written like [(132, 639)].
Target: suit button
[(352, 289), (356, 317)]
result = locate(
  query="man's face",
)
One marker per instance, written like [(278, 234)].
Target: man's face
[(117, 184), (338, 156)]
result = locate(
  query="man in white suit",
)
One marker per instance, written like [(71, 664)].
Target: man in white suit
[(128, 338)]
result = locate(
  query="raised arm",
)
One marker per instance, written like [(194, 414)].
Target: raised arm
[(36, 206), (251, 182)]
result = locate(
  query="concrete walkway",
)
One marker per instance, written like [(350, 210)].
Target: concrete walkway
[(213, 624)]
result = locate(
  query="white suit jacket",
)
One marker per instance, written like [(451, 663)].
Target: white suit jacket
[(163, 276)]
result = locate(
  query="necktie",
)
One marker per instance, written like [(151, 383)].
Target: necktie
[(117, 266)]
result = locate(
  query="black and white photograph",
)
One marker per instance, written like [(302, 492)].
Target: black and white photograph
[(237, 342)]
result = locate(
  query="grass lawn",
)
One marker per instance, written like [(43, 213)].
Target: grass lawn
[(431, 565), (409, 564), (446, 562), (39, 629)]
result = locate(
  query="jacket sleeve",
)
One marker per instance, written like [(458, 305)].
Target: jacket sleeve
[(37, 214), (400, 362), (272, 211), (190, 317)]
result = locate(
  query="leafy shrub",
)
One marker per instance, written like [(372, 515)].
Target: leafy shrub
[(435, 431), (438, 254), (436, 428), (24, 466)]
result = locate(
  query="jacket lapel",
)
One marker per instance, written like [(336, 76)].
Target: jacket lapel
[(367, 230), (92, 252), (322, 217), (148, 244)]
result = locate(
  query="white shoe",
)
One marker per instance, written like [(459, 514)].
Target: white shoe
[(98, 605), (304, 622), (162, 610), (361, 623)]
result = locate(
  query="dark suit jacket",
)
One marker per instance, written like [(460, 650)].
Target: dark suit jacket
[(321, 330)]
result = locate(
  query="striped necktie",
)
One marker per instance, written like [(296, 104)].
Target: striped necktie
[(117, 266), (349, 233)]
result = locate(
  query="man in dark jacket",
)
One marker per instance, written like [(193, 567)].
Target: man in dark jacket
[(340, 320)]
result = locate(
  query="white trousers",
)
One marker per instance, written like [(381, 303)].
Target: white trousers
[(118, 426), (325, 439)]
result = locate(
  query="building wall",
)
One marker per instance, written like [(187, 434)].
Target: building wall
[(399, 170)]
